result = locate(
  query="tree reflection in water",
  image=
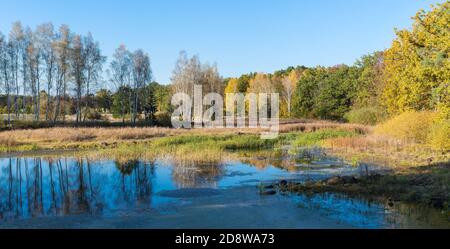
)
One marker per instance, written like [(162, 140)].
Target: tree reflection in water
[(189, 174), (31, 187)]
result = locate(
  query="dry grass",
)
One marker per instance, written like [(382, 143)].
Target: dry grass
[(210, 144), (144, 142), (385, 150), (67, 135), (85, 134), (365, 143), (320, 125), (8, 141), (410, 126)]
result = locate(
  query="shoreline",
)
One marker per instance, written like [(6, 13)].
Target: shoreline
[(426, 185)]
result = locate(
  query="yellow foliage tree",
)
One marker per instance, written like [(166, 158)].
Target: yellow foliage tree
[(417, 66), (261, 83), (289, 83), (232, 86)]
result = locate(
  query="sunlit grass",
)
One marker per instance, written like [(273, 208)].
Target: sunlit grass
[(352, 142), (318, 137)]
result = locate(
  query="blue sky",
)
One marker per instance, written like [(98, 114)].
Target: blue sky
[(240, 36)]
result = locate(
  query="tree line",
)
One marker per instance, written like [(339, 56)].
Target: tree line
[(412, 75), (51, 74)]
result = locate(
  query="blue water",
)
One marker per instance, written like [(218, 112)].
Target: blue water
[(65, 186)]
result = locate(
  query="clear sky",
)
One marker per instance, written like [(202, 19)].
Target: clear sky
[(240, 36)]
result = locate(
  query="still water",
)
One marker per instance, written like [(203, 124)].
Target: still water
[(73, 192)]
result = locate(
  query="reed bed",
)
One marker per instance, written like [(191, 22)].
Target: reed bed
[(385, 150), (59, 136)]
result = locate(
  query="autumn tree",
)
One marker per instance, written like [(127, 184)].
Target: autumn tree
[(5, 72), (62, 55), (34, 56), (120, 75), (417, 65), (78, 63), (142, 75), (47, 38), (190, 71), (186, 74), (289, 83), (231, 85), (16, 37), (93, 66), (261, 83)]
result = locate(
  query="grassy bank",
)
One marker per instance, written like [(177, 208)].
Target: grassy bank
[(109, 137), (355, 143)]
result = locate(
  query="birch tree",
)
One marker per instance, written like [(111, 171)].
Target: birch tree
[(15, 41), (34, 51), (94, 64), (289, 82), (5, 72), (120, 74), (62, 54), (78, 63), (47, 36), (142, 74)]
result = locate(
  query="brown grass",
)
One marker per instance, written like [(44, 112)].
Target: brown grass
[(111, 133), (319, 125), (69, 138), (7, 141), (84, 134), (385, 150)]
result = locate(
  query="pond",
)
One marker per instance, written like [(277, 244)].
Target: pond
[(76, 192)]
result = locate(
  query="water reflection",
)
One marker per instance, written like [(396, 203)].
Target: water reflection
[(356, 212), (48, 186), (187, 174), (58, 186), (64, 186), (31, 187)]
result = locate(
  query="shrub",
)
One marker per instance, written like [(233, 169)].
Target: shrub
[(365, 115), (439, 136), (24, 124), (163, 119), (411, 126), (3, 110), (94, 115)]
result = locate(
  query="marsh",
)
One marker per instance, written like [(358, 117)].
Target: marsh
[(64, 191)]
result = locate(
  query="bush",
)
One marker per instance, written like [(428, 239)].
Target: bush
[(3, 110), (439, 136), (365, 115), (411, 126), (24, 124), (94, 115), (163, 119)]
